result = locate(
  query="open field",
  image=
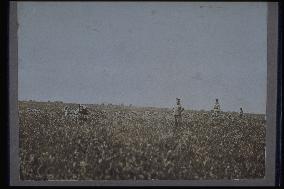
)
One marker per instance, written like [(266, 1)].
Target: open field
[(122, 142)]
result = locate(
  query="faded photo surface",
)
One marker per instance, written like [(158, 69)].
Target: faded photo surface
[(142, 90)]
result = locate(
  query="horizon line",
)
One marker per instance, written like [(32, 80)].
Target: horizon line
[(128, 105)]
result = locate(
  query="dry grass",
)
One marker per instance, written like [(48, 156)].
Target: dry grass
[(121, 142)]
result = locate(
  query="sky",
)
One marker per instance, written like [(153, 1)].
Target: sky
[(144, 53)]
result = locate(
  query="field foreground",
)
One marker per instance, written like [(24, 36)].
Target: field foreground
[(121, 142)]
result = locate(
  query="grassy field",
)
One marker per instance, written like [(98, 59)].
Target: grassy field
[(123, 142)]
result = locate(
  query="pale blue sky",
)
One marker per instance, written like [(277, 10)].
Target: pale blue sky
[(144, 53)]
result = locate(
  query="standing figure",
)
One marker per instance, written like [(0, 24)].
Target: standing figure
[(83, 112), (66, 111), (178, 109), (241, 112), (216, 108)]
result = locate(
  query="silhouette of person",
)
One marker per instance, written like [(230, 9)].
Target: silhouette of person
[(216, 108), (178, 109), (241, 112)]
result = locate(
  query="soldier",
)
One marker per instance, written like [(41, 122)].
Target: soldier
[(83, 112), (66, 111), (178, 109), (216, 108), (241, 112)]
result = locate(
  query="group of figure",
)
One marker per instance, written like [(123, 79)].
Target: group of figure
[(217, 109), (80, 113), (178, 109)]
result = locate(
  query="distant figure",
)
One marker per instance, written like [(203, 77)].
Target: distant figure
[(178, 109), (216, 108), (241, 112), (66, 111), (83, 112)]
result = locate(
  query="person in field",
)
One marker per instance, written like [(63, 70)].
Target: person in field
[(83, 112), (177, 111), (241, 112), (66, 111), (216, 108)]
